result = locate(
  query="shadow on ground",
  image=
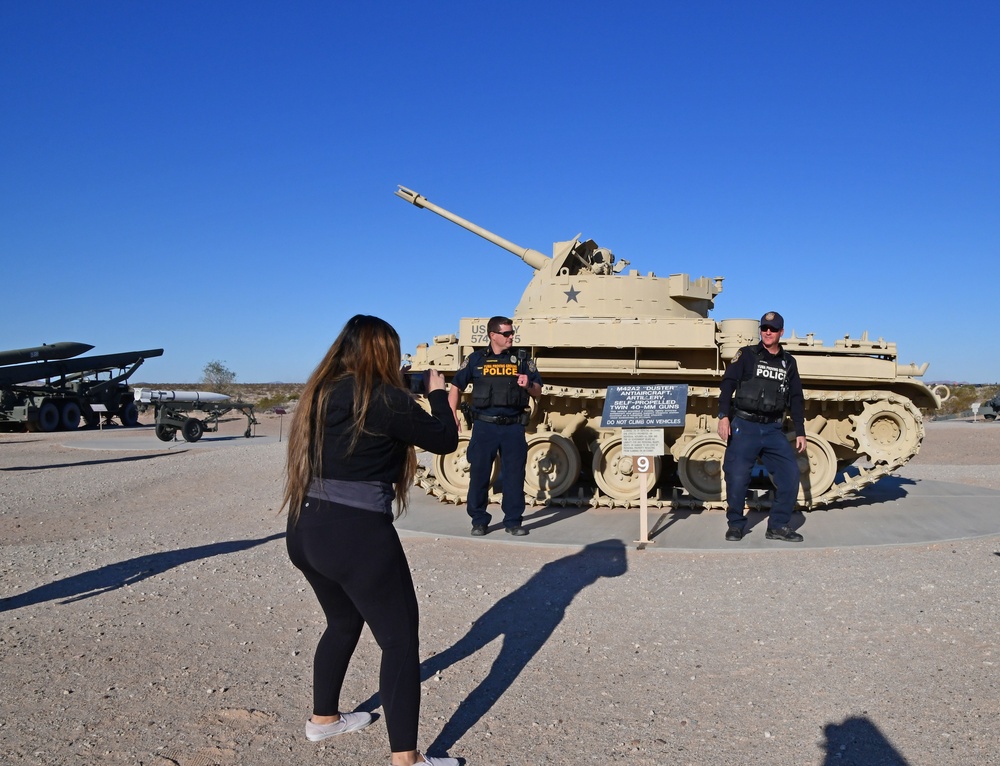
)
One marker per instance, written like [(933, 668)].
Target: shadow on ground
[(524, 619), (114, 576)]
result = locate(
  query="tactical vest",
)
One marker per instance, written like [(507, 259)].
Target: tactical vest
[(496, 384), (766, 391)]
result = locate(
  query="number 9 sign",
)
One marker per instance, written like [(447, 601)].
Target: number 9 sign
[(643, 464)]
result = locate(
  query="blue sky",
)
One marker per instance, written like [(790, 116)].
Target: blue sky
[(216, 178)]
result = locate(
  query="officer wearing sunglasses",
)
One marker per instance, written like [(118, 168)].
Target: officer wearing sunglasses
[(758, 387), (503, 381)]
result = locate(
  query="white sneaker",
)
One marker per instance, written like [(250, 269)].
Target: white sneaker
[(431, 761), (348, 722)]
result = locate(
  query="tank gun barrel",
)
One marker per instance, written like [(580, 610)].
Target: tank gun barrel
[(533, 258)]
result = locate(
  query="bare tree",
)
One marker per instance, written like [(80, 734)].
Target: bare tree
[(218, 377)]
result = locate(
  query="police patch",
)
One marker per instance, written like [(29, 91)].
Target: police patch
[(737, 355), (464, 363), (532, 367)]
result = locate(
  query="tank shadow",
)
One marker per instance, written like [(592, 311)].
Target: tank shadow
[(858, 742), (524, 619), (113, 576)]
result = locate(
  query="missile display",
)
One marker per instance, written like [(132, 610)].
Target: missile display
[(154, 396), (44, 353)]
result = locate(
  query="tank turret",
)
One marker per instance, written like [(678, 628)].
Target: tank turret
[(590, 324)]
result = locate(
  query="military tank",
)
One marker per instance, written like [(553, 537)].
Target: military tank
[(590, 323)]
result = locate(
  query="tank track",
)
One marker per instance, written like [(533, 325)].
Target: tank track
[(818, 402)]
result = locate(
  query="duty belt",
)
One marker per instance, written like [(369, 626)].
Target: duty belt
[(744, 415), (502, 420)]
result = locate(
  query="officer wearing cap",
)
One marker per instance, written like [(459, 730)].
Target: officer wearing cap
[(503, 379), (758, 387)]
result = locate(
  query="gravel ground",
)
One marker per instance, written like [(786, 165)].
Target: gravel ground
[(150, 616)]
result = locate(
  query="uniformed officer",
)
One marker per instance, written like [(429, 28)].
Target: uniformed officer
[(502, 380), (760, 384)]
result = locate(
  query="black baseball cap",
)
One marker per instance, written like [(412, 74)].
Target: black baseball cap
[(772, 319)]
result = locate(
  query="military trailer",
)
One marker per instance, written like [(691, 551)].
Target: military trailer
[(52, 388), (591, 323)]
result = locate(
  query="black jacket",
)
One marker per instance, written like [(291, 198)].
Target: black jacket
[(395, 420)]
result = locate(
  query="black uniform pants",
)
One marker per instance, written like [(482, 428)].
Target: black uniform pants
[(487, 440), (747, 442), (354, 562)]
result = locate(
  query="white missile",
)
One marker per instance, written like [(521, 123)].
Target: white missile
[(152, 396)]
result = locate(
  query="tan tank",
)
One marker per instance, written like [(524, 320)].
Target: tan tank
[(591, 324)]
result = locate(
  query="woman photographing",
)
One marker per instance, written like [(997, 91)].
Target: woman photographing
[(351, 460)]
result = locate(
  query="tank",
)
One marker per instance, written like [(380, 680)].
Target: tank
[(591, 322)]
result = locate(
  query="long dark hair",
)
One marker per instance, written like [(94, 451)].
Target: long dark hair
[(366, 350)]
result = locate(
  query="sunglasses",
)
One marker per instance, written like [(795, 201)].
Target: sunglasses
[(505, 333), (765, 328)]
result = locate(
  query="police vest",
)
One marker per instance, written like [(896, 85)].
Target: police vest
[(766, 391), (495, 383)]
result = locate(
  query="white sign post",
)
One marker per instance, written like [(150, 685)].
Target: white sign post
[(975, 411), (99, 409), (645, 445)]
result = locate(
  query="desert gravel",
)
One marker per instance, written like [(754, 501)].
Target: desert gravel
[(151, 616)]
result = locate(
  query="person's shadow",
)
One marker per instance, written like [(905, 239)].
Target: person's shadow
[(858, 742), (525, 619), (113, 576)]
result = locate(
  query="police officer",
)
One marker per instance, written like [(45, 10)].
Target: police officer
[(502, 380), (760, 384)]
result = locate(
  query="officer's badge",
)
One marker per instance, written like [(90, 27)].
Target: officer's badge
[(769, 316), (513, 359)]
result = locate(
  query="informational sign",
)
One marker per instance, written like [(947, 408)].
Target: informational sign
[(99, 408), (651, 406), (642, 441)]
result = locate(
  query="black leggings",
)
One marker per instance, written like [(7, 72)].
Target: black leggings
[(354, 562)]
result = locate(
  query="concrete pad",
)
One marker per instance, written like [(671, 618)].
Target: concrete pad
[(143, 438), (895, 511)]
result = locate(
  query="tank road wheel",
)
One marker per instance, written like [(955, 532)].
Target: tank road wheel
[(616, 474), (165, 433), (885, 433), (69, 416), (129, 415), (553, 466), (48, 417), (452, 470), (192, 430), (817, 469), (700, 467)]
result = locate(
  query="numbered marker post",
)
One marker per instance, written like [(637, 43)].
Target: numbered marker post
[(644, 465)]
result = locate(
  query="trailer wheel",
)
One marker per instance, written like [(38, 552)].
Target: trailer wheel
[(48, 417), (192, 430), (129, 415), (70, 416), (165, 433)]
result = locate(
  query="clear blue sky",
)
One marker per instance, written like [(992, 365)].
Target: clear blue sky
[(217, 178)]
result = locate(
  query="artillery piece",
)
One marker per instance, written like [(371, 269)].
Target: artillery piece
[(590, 324)]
